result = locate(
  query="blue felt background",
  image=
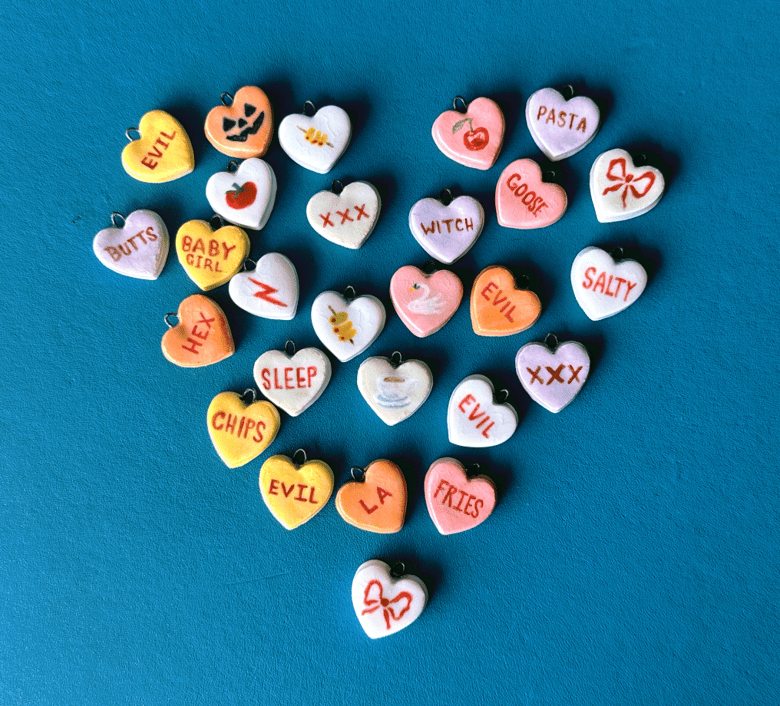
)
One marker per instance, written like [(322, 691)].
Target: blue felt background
[(633, 556)]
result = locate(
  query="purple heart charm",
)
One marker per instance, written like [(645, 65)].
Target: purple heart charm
[(446, 231)]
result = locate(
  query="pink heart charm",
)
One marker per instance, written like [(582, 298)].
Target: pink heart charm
[(524, 201), (472, 138), (425, 302), (455, 502)]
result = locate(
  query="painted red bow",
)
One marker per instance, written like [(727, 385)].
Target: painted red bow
[(627, 180), (380, 601)]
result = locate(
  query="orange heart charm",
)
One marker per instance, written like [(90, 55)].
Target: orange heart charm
[(202, 336), (378, 503), (244, 127), (498, 307), (163, 151), (211, 257)]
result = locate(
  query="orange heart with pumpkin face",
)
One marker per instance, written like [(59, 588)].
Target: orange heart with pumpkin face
[(498, 307), (378, 502), (202, 336), (245, 127)]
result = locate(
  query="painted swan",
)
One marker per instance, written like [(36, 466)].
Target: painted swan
[(425, 304)]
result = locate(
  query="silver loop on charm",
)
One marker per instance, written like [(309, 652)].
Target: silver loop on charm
[(429, 267), (303, 453), (549, 175), (502, 396), (396, 358), (554, 338), (248, 261), (308, 105), (446, 196), (522, 281), (347, 291), (567, 92), (116, 215), (132, 129), (289, 345), (462, 100), (221, 222), (232, 166), (397, 570), (472, 468), (337, 186), (360, 476), (229, 96), (251, 392), (617, 253), (168, 323)]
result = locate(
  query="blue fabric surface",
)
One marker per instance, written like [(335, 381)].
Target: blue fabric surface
[(633, 554)]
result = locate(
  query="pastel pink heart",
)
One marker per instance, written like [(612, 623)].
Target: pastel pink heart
[(472, 138), (455, 502), (524, 200), (425, 302)]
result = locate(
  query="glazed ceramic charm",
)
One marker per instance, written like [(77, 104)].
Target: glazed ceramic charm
[(375, 502), (524, 200), (243, 125), (604, 287), (137, 246), (270, 290), (211, 257), (552, 373), (457, 503), (470, 134), (447, 228), (473, 417), (425, 302), (561, 127), (202, 336), (240, 432), (293, 381), (385, 602), (294, 493), (620, 190), (345, 215), (347, 326), (162, 151), (316, 141), (246, 196), (395, 390), (498, 307)]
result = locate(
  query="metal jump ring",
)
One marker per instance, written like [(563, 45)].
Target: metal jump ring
[(337, 186), (547, 343), (165, 318), (347, 291), (232, 163), (446, 196), (251, 392), (224, 102), (360, 472), (396, 358), (397, 570), (289, 344), (220, 221), (568, 92), (116, 215), (132, 129), (308, 104), (502, 396), (455, 104), (248, 261), (303, 453)]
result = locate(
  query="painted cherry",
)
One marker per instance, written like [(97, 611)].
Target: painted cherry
[(241, 196), (473, 139)]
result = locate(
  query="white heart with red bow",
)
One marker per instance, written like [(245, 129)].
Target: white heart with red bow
[(346, 217), (137, 249), (318, 141), (620, 190), (246, 196), (552, 377), (270, 290), (447, 232), (474, 418), (293, 383), (347, 328)]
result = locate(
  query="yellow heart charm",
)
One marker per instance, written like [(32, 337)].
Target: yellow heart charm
[(162, 153), (241, 432), (294, 494), (211, 257)]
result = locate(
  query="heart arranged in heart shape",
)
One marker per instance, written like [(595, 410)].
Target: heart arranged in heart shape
[(210, 258), (447, 232), (455, 502), (202, 336), (473, 138), (162, 153), (620, 190), (377, 503), (240, 432), (245, 197), (294, 494), (394, 392), (383, 604), (604, 287), (270, 290), (561, 127), (524, 200), (318, 141), (138, 249), (346, 218), (425, 302), (498, 307), (244, 127), (295, 382), (553, 377), (473, 417), (347, 328)]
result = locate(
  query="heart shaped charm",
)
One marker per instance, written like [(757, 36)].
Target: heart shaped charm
[(243, 125), (561, 127), (425, 302), (377, 502), (295, 493), (455, 502), (347, 328), (498, 307), (604, 287), (138, 248), (472, 137), (447, 231), (317, 141), (202, 336), (163, 151), (394, 390), (385, 604), (474, 419), (270, 290), (620, 190), (246, 196), (552, 376), (293, 382), (524, 201), (211, 257), (241, 432), (345, 216)]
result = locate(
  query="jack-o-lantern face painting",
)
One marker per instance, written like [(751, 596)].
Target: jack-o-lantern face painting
[(245, 127), (240, 130)]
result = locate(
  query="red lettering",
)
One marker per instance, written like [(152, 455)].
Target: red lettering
[(273, 486), (477, 505), (488, 288), (600, 282), (312, 371), (300, 380), (448, 495), (115, 254), (301, 488), (468, 399), (629, 287), (542, 111), (230, 425), (149, 163), (382, 494), (441, 485), (214, 420), (288, 378), (258, 437), (368, 510), (265, 375), (285, 491), (588, 283)]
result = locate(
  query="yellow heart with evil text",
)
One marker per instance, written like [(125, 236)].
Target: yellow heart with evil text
[(241, 432), (163, 151), (211, 257)]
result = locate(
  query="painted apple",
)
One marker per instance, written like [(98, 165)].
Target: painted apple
[(241, 196), (476, 139)]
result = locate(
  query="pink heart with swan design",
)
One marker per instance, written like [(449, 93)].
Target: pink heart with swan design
[(425, 302)]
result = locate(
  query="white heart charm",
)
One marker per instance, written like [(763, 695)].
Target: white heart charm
[(620, 190), (474, 419), (244, 197), (295, 382), (394, 392), (138, 249), (347, 328), (447, 232), (561, 127), (604, 287), (384, 604), (346, 218), (552, 377), (318, 141), (270, 290)]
